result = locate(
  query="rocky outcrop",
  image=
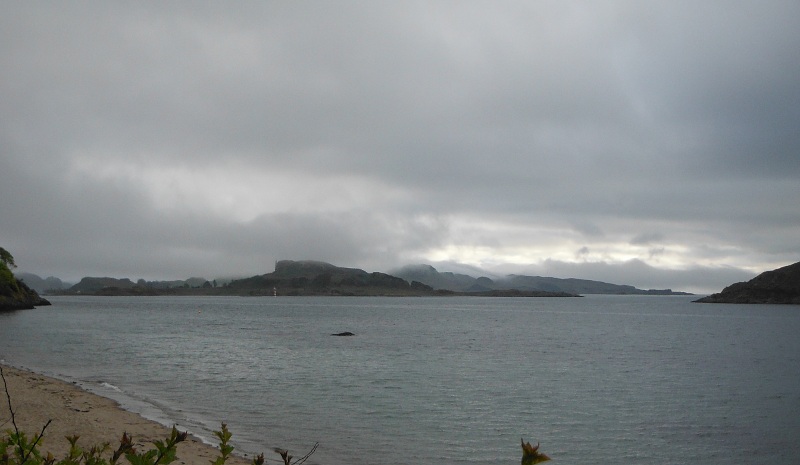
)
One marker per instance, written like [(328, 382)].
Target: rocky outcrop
[(18, 296), (15, 294), (90, 285), (781, 286)]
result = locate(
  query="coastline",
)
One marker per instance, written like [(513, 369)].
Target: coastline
[(74, 411)]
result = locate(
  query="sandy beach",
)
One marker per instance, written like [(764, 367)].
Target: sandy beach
[(97, 420)]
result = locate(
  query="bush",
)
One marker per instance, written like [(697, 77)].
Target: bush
[(17, 449)]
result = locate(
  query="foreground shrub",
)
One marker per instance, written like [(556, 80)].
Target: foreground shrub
[(17, 449), (531, 454)]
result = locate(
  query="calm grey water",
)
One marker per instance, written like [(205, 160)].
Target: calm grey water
[(600, 379)]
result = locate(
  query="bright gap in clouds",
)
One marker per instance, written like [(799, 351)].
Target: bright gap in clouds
[(488, 244)]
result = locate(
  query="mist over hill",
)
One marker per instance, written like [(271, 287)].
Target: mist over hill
[(310, 277), (39, 284), (427, 274)]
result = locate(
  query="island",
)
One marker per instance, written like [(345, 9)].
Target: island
[(294, 278), (317, 278), (308, 277)]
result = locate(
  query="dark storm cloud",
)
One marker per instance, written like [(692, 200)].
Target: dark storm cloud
[(187, 138)]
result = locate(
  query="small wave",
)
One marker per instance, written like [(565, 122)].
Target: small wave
[(110, 386)]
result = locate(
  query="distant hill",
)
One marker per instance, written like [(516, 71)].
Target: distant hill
[(456, 282), (309, 277), (39, 284), (297, 278), (316, 278), (780, 286), (320, 278), (90, 285), (124, 286), (578, 286), (463, 283)]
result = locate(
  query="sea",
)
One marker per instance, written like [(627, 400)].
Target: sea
[(438, 380)]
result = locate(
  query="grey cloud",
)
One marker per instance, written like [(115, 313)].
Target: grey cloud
[(647, 238), (582, 252), (667, 124)]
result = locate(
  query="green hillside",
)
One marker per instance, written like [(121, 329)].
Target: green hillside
[(14, 294)]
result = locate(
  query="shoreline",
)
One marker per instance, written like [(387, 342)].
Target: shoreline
[(37, 398)]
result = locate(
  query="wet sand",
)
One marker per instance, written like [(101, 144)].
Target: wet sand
[(97, 420)]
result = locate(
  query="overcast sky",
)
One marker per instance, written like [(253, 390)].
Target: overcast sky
[(647, 143)]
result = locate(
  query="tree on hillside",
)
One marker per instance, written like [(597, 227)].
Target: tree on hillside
[(14, 294), (7, 281), (7, 258)]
